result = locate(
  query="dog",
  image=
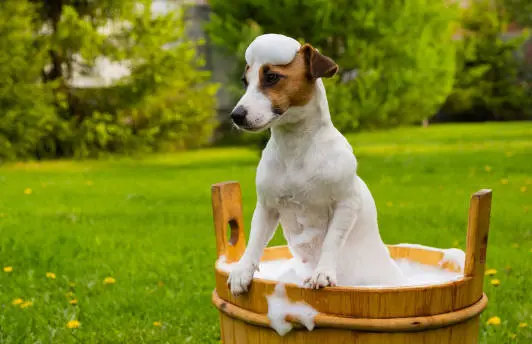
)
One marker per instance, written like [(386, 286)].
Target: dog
[(307, 178)]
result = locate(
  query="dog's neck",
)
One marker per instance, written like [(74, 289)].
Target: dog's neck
[(294, 135)]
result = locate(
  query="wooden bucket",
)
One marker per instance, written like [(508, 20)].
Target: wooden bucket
[(442, 313)]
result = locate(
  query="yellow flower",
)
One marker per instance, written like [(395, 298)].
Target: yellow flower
[(109, 280), (50, 275), (512, 335), (504, 181), (490, 272), (522, 325), (28, 191), (72, 284), (90, 182), (73, 302), (17, 302), (523, 188), (8, 268), (26, 304), (157, 324), (69, 294), (389, 204), (487, 168), (456, 243), (495, 282), (494, 321), (73, 324)]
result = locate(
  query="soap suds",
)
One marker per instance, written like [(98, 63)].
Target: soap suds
[(279, 306), (273, 49), (294, 271), (452, 256)]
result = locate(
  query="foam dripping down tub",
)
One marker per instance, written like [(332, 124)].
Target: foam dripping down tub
[(442, 302)]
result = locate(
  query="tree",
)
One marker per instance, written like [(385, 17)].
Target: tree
[(163, 101), (397, 59), (26, 112)]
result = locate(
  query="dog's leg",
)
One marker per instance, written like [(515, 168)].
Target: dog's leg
[(263, 225), (342, 222)]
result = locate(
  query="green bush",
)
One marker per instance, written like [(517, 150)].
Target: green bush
[(402, 52), (167, 102), (491, 82), (26, 111)]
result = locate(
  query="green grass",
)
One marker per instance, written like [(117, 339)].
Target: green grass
[(148, 224)]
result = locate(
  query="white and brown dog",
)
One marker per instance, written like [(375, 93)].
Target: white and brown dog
[(307, 176)]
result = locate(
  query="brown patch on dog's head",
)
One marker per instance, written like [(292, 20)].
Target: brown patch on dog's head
[(293, 84)]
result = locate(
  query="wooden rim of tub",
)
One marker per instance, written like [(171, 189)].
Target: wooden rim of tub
[(358, 304), (409, 324)]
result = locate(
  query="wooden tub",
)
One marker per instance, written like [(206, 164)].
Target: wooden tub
[(437, 314)]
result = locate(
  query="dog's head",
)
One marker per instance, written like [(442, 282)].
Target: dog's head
[(280, 74)]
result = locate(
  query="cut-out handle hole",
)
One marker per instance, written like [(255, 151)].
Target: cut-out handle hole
[(232, 232)]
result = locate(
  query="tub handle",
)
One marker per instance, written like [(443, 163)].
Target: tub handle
[(477, 241), (227, 211)]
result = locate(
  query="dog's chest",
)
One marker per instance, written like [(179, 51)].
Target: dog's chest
[(294, 186)]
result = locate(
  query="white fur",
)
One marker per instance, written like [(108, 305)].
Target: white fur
[(307, 181)]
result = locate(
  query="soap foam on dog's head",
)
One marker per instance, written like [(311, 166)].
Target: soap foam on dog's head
[(272, 49), (280, 74)]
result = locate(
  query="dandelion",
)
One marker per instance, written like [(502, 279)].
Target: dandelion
[(17, 302), (90, 183), (522, 325), (490, 272), (523, 188), (494, 321), (70, 294), (73, 302), (26, 304), (389, 204), (8, 269), (109, 280), (73, 324), (487, 168), (28, 191), (157, 324), (50, 275), (504, 181), (495, 282)]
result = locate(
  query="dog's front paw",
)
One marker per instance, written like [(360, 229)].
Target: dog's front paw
[(321, 279), (240, 278)]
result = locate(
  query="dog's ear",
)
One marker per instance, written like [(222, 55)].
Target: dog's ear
[(319, 66)]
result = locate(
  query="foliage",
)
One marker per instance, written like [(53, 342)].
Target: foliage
[(518, 10), (26, 112), (490, 83), (401, 52), (163, 100)]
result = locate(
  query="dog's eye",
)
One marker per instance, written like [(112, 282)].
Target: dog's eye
[(271, 78)]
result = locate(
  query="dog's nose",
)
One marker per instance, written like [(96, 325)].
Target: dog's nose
[(239, 115)]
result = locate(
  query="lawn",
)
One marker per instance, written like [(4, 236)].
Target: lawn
[(132, 240)]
